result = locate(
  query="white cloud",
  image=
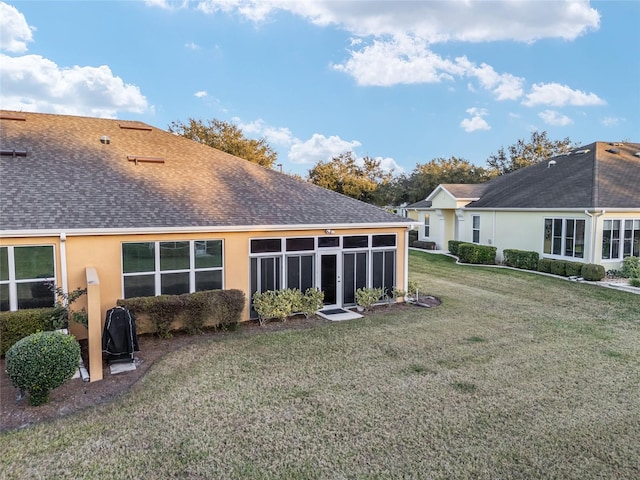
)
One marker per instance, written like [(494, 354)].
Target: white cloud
[(192, 46), (167, 4), (281, 136), (476, 122), (467, 21), (611, 121), (15, 32), (34, 83), (557, 95), (201, 94), (551, 117), (388, 164), (320, 148)]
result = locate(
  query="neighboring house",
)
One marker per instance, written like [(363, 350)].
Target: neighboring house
[(132, 210), (583, 206)]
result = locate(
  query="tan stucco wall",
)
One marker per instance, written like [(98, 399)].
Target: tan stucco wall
[(103, 253)]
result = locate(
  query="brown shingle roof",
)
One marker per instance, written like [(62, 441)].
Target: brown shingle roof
[(595, 179), (70, 180)]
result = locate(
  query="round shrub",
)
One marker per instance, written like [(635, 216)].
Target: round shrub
[(41, 362), (593, 272)]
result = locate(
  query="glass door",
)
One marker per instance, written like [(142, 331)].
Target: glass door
[(330, 273)]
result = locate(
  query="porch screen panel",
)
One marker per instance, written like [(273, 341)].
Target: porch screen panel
[(354, 275), (300, 272), (384, 270)]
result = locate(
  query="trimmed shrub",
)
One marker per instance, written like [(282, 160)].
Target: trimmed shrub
[(311, 302), (424, 245), (544, 265), (41, 362), (558, 267), (592, 272), (573, 269), (521, 259), (634, 282), (453, 246), (17, 325), (477, 254), (276, 305), (190, 311), (367, 297), (630, 267)]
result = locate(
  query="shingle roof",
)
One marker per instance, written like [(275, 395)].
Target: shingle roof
[(420, 204), (465, 190), (70, 180), (598, 178)]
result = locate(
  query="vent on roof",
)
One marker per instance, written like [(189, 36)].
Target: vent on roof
[(12, 152), (552, 163), (20, 118), (637, 154), (581, 152), (615, 144), (105, 140), (137, 159), (135, 126), (613, 150)]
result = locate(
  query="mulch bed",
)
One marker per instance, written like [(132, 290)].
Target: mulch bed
[(75, 395)]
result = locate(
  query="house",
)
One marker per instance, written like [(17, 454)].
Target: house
[(583, 206), (128, 210)]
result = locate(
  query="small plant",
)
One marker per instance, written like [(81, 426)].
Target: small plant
[(630, 267), (41, 362), (634, 282), (413, 289), (274, 304), (367, 297), (397, 293), (62, 310)]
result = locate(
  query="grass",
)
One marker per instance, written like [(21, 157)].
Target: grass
[(514, 376)]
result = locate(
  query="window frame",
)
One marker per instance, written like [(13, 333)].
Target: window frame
[(475, 230), (620, 244), (158, 272), (556, 236), (12, 281), (427, 225)]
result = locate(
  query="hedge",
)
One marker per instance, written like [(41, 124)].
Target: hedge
[(424, 245), (453, 246), (477, 254), (592, 272), (190, 311), (521, 259), (22, 323)]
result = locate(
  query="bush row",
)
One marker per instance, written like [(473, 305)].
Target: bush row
[(565, 268), (521, 259), (20, 324), (190, 311), (473, 253), (281, 304)]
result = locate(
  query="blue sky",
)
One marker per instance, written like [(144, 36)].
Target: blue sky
[(402, 81)]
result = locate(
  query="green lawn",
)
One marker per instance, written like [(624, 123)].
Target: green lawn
[(514, 376)]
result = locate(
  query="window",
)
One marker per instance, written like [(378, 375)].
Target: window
[(171, 268), (265, 275), (25, 272), (475, 219), (564, 237), (354, 272), (616, 232), (360, 241), (427, 221), (300, 272)]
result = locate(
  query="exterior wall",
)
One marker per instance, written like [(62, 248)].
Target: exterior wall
[(525, 231), (103, 253), (414, 215)]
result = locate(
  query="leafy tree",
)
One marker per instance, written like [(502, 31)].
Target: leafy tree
[(426, 177), (522, 153), (344, 174), (227, 137)]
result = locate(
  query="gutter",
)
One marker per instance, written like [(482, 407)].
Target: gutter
[(204, 229)]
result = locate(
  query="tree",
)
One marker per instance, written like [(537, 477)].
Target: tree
[(227, 137), (345, 174), (522, 154), (426, 177)]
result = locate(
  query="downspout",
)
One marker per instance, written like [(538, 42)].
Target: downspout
[(594, 224), (63, 263)]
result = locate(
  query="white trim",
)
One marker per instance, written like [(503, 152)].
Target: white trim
[(204, 229)]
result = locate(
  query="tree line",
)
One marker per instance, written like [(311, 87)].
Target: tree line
[(364, 178)]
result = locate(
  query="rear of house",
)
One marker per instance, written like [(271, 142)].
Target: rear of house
[(582, 206), (133, 210)]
